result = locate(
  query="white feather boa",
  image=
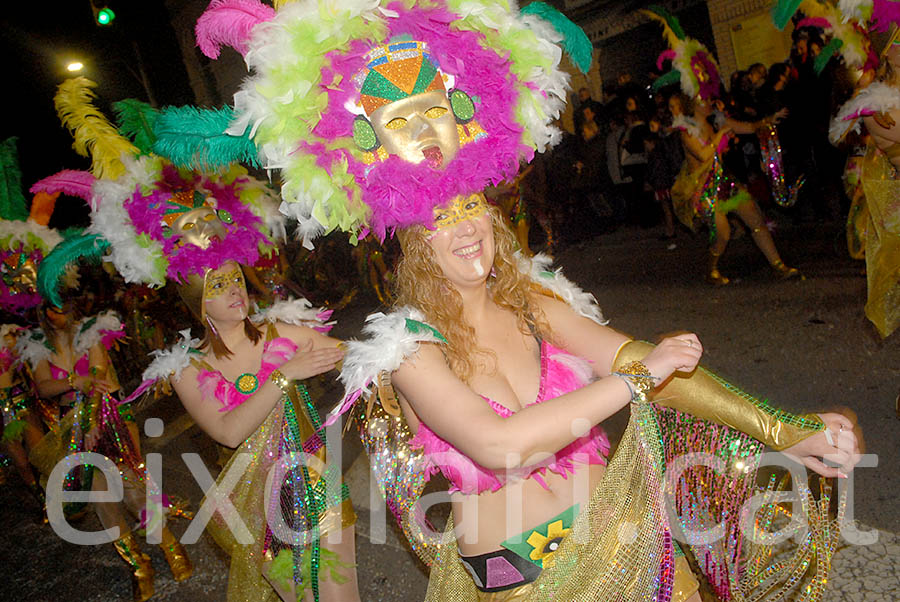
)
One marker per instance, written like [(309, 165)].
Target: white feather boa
[(32, 347), (299, 312), (171, 362), (387, 344), (538, 269), (877, 97), (136, 262), (15, 234), (89, 335), (687, 124)]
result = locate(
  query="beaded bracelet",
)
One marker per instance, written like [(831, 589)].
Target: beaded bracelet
[(639, 380), (280, 380)]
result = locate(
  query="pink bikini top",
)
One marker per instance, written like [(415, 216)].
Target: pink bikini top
[(82, 368), (212, 384), (560, 373)]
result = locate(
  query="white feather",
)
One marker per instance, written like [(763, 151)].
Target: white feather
[(538, 269), (877, 97), (87, 337), (172, 361), (387, 345), (15, 234), (31, 347), (299, 312)]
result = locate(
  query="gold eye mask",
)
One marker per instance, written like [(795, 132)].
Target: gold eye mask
[(460, 210), (218, 285)]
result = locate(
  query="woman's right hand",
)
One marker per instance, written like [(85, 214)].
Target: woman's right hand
[(680, 353), (308, 362)]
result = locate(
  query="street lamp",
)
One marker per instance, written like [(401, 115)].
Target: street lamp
[(75, 66)]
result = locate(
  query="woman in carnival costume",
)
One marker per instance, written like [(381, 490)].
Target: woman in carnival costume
[(875, 214), (24, 240), (241, 383), (703, 189), (410, 109)]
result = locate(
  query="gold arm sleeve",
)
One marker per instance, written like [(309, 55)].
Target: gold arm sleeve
[(705, 395)]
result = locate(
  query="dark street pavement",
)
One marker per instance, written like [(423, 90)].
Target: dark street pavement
[(803, 344)]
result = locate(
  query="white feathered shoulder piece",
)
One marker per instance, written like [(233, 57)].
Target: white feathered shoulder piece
[(299, 312), (172, 361), (877, 97), (33, 347), (539, 270), (389, 340), (102, 328)]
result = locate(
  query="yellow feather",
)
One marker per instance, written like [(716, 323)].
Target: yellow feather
[(94, 135), (671, 39)]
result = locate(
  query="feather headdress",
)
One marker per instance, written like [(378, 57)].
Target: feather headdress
[(133, 193), (303, 59), (693, 66)]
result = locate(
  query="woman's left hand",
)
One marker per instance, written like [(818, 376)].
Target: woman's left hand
[(843, 449)]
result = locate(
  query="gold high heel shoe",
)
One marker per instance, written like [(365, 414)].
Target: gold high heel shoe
[(142, 572), (713, 276), (784, 272), (176, 556)]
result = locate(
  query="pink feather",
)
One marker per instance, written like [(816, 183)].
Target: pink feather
[(665, 55), (820, 22), (68, 181), (229, 22), (885, 13)]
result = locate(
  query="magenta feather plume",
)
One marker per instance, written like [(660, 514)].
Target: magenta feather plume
[(665, 55), (68, 181), (819, 22), (228, 23), (884, 14)]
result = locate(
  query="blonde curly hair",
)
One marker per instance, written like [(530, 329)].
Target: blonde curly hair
[(421, 283)]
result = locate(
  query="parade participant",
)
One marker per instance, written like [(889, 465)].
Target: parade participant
[(877, 107), (703, 189), (504, 368), (195, 229)]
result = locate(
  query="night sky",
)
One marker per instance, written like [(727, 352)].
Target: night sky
[(39, 39)]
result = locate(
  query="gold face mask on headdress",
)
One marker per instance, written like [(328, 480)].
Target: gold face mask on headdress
[(418, 128), (198, 227), (20, 273)]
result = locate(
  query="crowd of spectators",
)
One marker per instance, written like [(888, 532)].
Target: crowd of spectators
[(620, 162)]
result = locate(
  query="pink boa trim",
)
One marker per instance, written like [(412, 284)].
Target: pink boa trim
[(228, 22), (108, 337), (322, 317), (665, 55), (818, 22), (723, 144), (884, 14), (398, 193), (242, 239), (68, 181), (468, 477), (212, 385)]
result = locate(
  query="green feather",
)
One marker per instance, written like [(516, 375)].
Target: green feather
[(196, 138), (13, 205), (672, 77), (827, 53), (69, 251), (671, 20), (415, 327), (575, 41), (136, 119), (783, 11)]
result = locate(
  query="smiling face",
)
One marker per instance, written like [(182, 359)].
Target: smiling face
[(418, 128), (463, 241), (198, 227), (225, 294)]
